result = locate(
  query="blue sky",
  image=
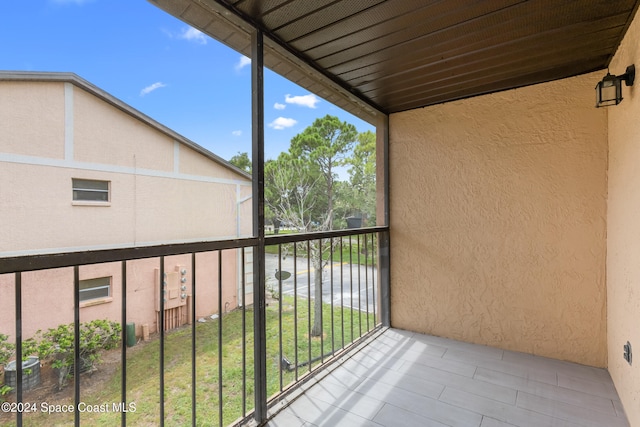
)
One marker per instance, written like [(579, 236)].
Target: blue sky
[(160, 66)]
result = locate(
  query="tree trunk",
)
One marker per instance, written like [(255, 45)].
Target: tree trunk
[(316, 330)]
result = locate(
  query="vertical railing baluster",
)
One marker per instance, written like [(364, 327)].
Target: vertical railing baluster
[(309, 299), (18, 302), (123, 354), (383, 279), (280, 312), (319, 304), (342, 290), (351, 281), (366, 279), (220, 415), (359, 293), (374, 268), (194, 377), (333, 332), (76, 343), (295, 307), (244, 336), (161, 332)]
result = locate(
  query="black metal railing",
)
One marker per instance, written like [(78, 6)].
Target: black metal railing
[(332, 301), (192, 363)]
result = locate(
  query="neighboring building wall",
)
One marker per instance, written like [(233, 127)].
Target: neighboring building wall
[(623, 230), (498, 220), (162, 191), (48, 295)]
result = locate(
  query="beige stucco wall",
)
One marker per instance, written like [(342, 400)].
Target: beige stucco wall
[(143, 210), (48, 295), (623, 231), (105, 135), (498, 220), (161, 191), (23, 133), (193, 163)]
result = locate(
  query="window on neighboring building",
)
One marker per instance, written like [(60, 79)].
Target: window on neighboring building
[(89, 190), (95, 288)]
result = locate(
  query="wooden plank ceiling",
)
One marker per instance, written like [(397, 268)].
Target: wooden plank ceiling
[(398, 55)]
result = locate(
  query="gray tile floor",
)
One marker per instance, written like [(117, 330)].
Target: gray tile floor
[(406, 379)]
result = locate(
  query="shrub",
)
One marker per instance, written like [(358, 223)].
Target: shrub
[(6, 349), (6, 352), (57, 345)]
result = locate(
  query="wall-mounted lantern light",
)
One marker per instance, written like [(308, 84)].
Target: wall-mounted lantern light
[(609, 89)]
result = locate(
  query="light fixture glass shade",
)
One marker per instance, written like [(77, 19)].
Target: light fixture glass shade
[(608, 91)]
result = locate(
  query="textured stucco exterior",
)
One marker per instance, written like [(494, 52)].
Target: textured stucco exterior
[(163, 189), (623, 231), (498, 220), (18, 103), (48, 294), (131, 143)]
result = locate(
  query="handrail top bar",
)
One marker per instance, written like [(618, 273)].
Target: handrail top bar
[(291, 238), (70, 259)]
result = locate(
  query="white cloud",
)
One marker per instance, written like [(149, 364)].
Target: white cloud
[(282, 123), (304, 100), (279, 106), (243, 62), (193, 35), (151, 88), (236, 133)]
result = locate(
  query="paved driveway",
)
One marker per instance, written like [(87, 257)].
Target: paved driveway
[(352, 286)]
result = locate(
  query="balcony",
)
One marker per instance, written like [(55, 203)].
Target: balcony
[(402, 378), (360, 372), (508, 211)]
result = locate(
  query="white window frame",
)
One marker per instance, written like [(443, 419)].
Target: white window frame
[(79, 186), (99, 284)]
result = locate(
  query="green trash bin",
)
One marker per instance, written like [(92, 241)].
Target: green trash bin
[(131, 334)]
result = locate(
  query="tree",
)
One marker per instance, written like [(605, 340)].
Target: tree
[(362, 178), (300, 188), (241, 161), (293, 192), (326, 144)]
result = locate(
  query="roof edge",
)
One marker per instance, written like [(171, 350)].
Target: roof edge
[(76, 80), (228, 25)]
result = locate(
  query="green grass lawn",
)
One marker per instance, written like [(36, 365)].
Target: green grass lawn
[(143, 367), (349, 251)]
